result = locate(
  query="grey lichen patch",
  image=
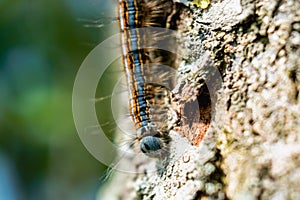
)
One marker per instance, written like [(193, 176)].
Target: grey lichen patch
[(223, 14), (260, 134)]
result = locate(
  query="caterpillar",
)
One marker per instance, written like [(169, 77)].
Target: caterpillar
[(149, 102)]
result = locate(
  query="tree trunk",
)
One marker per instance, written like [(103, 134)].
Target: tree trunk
[(238, 95)]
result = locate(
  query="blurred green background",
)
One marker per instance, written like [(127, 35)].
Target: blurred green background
[(42, 45)]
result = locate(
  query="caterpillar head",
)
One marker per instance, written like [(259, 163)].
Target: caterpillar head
[(153, 142)]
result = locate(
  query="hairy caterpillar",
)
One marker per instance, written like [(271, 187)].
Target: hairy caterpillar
[(149, 102)]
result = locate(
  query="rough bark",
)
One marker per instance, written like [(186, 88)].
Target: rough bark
[(240, 135)]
